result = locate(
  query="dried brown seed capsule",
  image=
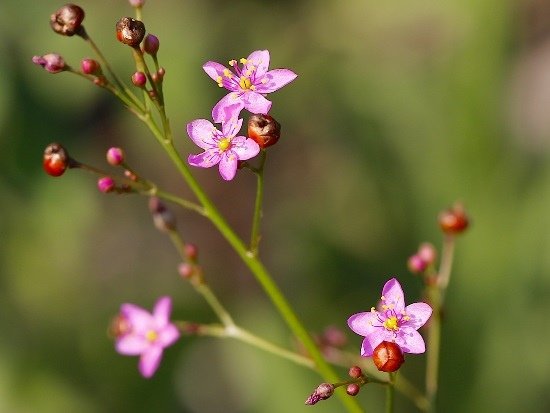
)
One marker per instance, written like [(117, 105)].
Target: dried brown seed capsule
[(56, 159), (67, 20), (264, 130), (387, 356), (453, 220), (130, 31)]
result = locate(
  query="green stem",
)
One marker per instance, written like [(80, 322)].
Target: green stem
[(255, 236), (390, 393)]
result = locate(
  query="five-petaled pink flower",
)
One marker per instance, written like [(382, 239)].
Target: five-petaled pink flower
[(393, 322), (146, 334), (247, 83), (220, 147)]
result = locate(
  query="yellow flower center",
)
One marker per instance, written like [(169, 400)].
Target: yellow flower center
[(224, 144), (391, 323), (151, 335), (245, 83)]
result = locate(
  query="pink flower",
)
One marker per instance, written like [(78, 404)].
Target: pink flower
[(247, 84), (145, 334), (395, 322), (220, 147)]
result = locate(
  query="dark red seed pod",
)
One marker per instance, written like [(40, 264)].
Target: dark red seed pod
[(387, 356), (264, 130), (130, 31), (67, 20), (55, 160), (453, 220)]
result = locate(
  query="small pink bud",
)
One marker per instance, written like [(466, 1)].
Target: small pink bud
[(115, 156), (355, 372), (67, 20), (322, 392), (106, 184), (136, 3), (139, 79), (51, 62), (353, 389), (416, 264), (191, 251), (186, 270), (151, 44), (427, 252), (89, 66)]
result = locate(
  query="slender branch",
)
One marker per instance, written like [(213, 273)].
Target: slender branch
[(255, 235)]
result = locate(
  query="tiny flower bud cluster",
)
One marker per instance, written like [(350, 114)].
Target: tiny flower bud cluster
[(422, 259)]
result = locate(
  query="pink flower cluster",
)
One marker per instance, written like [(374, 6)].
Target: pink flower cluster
[(248, 81)]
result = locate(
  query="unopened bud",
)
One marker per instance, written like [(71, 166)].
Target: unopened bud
[(136, 3), (353, 389), (55, 160), (130, 31), (67, 20), (264, 130), (427, 252), (163, 218), (186, 270), (151, 44), (191, 251), (51, 62), (355, 372), (106, 184), (115, 156), (416, 264), (90, 66), (388, 356), (453, 220), (322, 392), (139, 79)]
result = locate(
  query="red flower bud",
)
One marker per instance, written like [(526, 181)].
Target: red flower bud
[(353, 389), (106, 184), (55, 160), (89, 66), (151, 44), (453, 220), (67, 20), (387, 356), (115, 156), (264, 130), (130, 31), (355, 372)]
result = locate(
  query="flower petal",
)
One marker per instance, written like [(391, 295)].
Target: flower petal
[(131, 344), (201, 132), (162, 310), (256, 103), (139, 319), (393, 294), (419, 314), (362, 323), (205, 159), (214, 69), (259, 59), (245, 148), (228, 165), (373, 339), (168, 335), (274, 80), (228, 107), (410, 341), (150, 361), (231, 127)]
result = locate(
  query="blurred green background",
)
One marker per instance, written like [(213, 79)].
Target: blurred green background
[(400, 109)]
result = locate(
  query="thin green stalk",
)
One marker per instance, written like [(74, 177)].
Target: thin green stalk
[(255, 235), (390, 393)]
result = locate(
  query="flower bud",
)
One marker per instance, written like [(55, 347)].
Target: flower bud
[(186, 270), (119, 326), (355, 372), (51, 62), (67, 20), (136, 3), (453, 220), (163, 218), (55, 160), (130, 31), (416, 264), (139, 79), (264, 130), (387, 356), (115, 156), (191, 251), (322, 392), (427, 252), (353, 389), (151, 44), (106, 184), (90, 66)]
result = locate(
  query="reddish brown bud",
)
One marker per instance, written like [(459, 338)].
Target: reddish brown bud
[(355, 372), (56, 159), (130, 31), (191, 251), (453, 220), (151, 44), (322, 392), (67, 20), (387, 356), (264, 130), (353, 389), (90, 66)]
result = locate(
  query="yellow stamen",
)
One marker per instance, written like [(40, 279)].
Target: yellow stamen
[(243, 60), (227, 73), (391, 324), (224, 144), (245, 83), (151, 335), (232, 62)]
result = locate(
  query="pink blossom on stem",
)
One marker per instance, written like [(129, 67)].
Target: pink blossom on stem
[(248, 83), (394, 322), (147, 334), (220, 147)]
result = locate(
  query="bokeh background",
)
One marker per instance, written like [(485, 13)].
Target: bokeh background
[(400, 109)]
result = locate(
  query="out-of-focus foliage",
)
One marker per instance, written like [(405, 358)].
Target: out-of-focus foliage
[(400, 108)]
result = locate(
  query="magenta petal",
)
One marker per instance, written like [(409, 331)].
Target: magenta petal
[(373, 339), (419, 314), (168, 335), (256, 103), (206, 159), (228, 165), (410, 341), (231, 127), (393, 294), (361, 323), (201, 132), (227, 108), (214, 69), (150, 361), (131, 344), (274, 80), (162, 310), (260, 61), (137, 317), (245, 148)]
